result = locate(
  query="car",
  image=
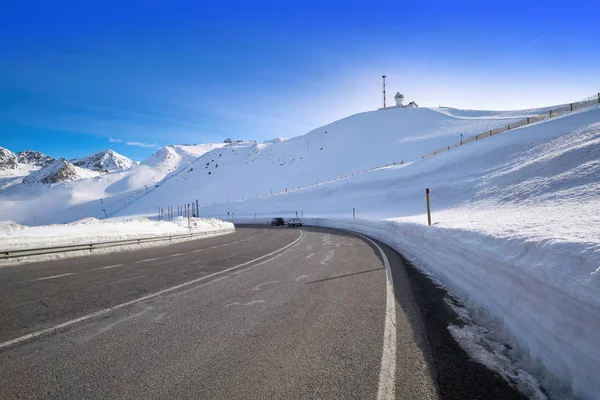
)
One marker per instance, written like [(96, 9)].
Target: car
[(294, 222), (277, 222)]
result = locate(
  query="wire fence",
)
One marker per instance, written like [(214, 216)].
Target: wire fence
[(555, 112)]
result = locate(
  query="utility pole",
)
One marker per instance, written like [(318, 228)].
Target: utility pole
[(383, 77)]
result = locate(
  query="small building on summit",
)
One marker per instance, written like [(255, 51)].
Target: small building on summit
[(399, 97)]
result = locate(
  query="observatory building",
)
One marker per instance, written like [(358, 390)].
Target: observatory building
[(399, 97)]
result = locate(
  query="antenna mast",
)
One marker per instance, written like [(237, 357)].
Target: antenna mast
[(383, 77)]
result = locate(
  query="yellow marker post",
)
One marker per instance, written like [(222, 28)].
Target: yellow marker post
[(428, 206)]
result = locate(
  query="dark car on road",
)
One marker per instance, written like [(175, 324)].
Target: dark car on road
[(277, 222), (294, 222)]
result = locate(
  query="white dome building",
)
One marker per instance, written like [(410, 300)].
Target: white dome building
[(399, 97)]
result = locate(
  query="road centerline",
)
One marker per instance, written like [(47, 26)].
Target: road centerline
[(140, 299), (54, 276)]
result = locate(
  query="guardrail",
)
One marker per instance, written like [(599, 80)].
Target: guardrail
[(7, 254)]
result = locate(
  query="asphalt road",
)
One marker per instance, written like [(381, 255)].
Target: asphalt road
[(260, 313)]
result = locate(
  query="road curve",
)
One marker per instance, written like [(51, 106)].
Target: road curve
[(261, 313)]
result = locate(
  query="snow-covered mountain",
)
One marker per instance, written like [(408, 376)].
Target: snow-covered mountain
[(8, 159), (34, 158), (13, 167), (83, 191), (23, 159), (58, 171), (104, 161)]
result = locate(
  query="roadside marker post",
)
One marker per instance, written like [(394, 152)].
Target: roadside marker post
[(188, 215), (353, 213), (428, 206)]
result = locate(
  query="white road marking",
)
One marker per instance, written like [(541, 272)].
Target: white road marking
[(53, 276), (147, 297), (175, 255), (298, 279), (148, 259), (387, 371), (259, 287), (250, 303), (328, 257), (107, 267), (310, 255), (111, 325)]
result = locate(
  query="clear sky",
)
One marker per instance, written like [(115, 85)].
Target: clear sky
[(81, 76)]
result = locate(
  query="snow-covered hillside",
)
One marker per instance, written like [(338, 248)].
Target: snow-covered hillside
[(63, 192), (8, 159), (58, 171), (104, 161), (353, 144), (34, 158), (14, 167)]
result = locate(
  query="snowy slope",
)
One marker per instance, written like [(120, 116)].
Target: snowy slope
[(349, 145), (34, 158), (104, 161), (88, 193), (516, 235), (22, 161), (58, 171), (8, 159)]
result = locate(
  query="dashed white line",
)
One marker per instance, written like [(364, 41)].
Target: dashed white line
[(140, 299), (175, 255), (112, 266), (250, 303), (53, 276), (148, 259)]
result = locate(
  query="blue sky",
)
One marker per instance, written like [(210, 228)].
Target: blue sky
[(80, 76)]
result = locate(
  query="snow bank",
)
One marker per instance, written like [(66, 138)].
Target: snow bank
[(15, 237), (555, 316)]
